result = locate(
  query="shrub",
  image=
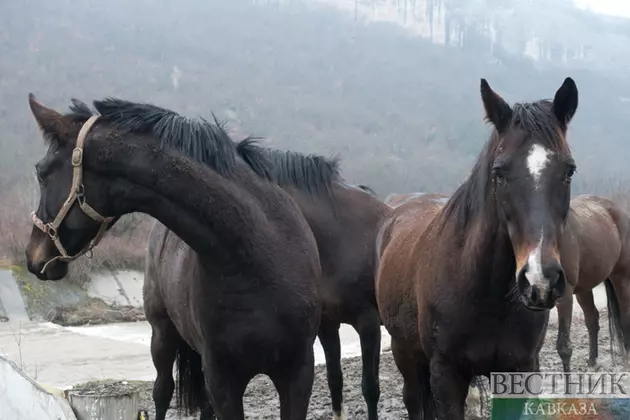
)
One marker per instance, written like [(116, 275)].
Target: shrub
[(123, 247)]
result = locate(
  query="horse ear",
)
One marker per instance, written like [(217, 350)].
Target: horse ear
[(50, 121), (498, 112), (565, 102)]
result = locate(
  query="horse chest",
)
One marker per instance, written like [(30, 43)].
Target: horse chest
[(486, 344)]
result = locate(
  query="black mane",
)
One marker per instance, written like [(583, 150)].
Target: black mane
[(209, 143), (367, 189), (311, 173), (472, 197), (201, 140)]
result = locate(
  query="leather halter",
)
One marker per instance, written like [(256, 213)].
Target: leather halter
[(76, 194)]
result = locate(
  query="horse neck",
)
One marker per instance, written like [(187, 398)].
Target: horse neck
[(206, 210), (489, 256)]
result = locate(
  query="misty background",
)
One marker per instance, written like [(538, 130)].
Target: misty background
[(390, 86)]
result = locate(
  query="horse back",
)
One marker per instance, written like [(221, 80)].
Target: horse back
[(395, 288), (599, 229), (396, 200), (344, 224), (169, 267)]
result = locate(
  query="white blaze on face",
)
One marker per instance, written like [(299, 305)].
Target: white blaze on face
[(534, 272), (537, 160)]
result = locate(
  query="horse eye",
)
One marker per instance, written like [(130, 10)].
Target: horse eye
[(498, 176), (568, 175)]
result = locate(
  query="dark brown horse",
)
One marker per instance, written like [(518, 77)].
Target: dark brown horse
[(465, 289), (252, 303), (345, 225), (595, 249), (344, 220)]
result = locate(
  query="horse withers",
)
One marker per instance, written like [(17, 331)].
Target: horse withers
[(465, 289)]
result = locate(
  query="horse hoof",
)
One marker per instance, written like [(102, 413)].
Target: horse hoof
[(341, 416), (473, 400), (595, 367)]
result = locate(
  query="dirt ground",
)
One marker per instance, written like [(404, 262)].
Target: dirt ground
[(261, 400)]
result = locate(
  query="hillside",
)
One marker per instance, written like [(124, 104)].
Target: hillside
[(392, 86)]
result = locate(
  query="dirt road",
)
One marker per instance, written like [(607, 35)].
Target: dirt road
[(61, 356)]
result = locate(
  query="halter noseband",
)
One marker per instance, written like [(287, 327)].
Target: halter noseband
[(76, 194)]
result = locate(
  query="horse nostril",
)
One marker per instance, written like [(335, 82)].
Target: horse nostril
[(555, 275), (534, 294)]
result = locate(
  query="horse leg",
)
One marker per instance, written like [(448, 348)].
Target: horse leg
[(207, 412), (329, 339), (473, 399), (226, 389), (295, 385), (369, 329), (541, 343), (449, 388), (164, 343), (591, 319), (416, 382), (565, 316)]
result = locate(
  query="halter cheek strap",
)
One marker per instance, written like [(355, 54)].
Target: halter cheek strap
[(76, 194)]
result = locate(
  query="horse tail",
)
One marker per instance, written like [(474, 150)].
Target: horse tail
[(615, 326), (191, 387), (427, 401)]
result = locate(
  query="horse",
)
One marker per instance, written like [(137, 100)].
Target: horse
[(595, 249), (474, 400), (344, 220), (251, 304), (345, 223), (465, 289)]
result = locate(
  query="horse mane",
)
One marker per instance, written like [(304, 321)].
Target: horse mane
[(199, 139), (311, 173), (367, 189), (473, 196)]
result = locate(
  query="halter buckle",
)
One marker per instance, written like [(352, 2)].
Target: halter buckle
[(77, 156), (51, 231)]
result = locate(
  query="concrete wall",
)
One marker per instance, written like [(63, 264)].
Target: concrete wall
[(11, 302), (21, 398)]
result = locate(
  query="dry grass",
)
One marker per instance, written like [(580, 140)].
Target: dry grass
[(123, 247), (95, 312)]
